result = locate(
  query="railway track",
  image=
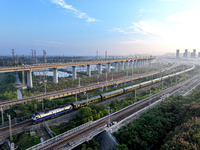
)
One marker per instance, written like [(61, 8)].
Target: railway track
[(68, 92), (148, 101), (118, 116), (15, 127)]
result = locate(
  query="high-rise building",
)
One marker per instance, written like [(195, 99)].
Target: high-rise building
[(199, 54), (194, 53), (186, 53), (177, 53)]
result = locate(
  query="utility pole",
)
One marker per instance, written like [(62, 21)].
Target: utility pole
[(16, 60), (106, 77), (106, 82), (135, 96), (44, 93), (97, 55), (32, 56), (79, 82), (45, 56), (45, 87), (2, 117), (87, 99), (23, 79), (106, 55), (108, 116), (35, 57), (42, 104), (10, 129), (13, 55), (132, 71), (76, 97)]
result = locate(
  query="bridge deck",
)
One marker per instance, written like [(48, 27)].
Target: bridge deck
[(59, 65)]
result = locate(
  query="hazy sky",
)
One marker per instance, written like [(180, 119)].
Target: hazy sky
[(82, 27)]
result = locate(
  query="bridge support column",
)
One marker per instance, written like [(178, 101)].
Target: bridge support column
[(74, 72), (99, 68), (108, 67), (131, 64), (135, 63), (89, 70), (116, 66), (122, 65), (101, 89), (55, 75), (138, 63), (115, 85), (29, 79), (127, 65)]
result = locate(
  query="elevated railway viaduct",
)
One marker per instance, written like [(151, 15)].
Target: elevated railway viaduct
[(124, 63), (68, 92)]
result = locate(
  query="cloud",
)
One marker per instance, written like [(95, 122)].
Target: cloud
[(170, 0), (48, 43), (78, 13), (141, 11), (120, 30), (180, 30)]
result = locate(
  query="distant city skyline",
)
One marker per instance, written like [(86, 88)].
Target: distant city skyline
[(76, 28)]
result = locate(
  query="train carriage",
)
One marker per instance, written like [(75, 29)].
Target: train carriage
[(111, 94), (86, 102), (143, 84), (130, 88)]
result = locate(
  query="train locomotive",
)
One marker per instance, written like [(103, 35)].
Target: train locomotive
[(43, 115), (75, 105)]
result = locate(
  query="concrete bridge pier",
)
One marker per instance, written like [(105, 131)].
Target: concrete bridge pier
[(108, 67), (55, 75), (101, 89), (142, 62), (149, 62), (134, 63), (89, 70), (29, 79), (145, 62), (115, 85), (138, 63), (127, 65), (122, 65), (99, 68), (116, 66), (74, 72), (106, 140), (131, 64)]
